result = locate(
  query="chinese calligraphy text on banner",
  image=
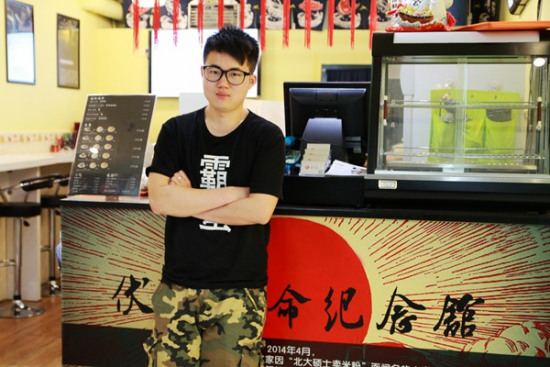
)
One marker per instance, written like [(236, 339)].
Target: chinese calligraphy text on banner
[(342, 291)]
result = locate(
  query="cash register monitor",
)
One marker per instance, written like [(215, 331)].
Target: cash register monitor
[(329, 112)]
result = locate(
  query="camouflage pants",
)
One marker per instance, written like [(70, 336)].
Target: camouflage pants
[(206, 327)]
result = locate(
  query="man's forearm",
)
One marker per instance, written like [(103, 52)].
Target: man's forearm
[(181, 201), (255, 209)]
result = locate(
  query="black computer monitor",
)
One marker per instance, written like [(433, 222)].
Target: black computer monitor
[(339, 111)]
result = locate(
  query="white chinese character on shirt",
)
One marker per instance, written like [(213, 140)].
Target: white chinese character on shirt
[(213, 176), (214, 172)]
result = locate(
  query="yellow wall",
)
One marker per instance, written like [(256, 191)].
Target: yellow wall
[(44, 107), (128, 72), (109, 64)]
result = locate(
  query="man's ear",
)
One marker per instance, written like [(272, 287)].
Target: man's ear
[(253, 80)]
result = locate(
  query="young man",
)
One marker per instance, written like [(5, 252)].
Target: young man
[(217, 175)]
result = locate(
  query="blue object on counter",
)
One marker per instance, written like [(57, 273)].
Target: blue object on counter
[(291, 159)]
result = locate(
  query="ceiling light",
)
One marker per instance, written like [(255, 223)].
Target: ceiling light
[(539, 61)]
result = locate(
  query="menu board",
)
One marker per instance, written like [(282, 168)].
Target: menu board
[(110, 148)]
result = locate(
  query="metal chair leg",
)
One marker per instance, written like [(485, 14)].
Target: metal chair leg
[(18, 309), (54, 286)]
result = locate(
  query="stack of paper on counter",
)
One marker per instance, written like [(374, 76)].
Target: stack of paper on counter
[(316, 160), (339, 168)]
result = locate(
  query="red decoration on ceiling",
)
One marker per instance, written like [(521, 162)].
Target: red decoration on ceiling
[(242, 6), (330, 24), (175, 20), (262, 23), (352, 25), (135, 10), (373, 19), (156, 21), (306, 5), (307, 28), (221, 8), (200, 19), (286, 22)]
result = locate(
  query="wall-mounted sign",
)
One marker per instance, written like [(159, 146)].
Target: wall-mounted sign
[(110, 148), (68, 52), (20, 42)]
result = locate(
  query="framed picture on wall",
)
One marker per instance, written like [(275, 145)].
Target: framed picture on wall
[(20, 42), (68, 52)]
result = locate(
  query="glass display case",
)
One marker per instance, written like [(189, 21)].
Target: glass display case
[(461, 112)]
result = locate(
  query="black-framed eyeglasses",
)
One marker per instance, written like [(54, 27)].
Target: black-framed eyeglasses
[(213, 73)]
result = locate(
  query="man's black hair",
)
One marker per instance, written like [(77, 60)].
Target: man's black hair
[(236, 43)]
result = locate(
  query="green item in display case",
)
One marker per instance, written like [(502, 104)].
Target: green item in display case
[(501, 126), (472, 126)]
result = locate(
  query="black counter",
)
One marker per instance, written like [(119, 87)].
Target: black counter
[(395, 211)]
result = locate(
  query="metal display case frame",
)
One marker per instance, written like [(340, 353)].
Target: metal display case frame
[(529, 188)]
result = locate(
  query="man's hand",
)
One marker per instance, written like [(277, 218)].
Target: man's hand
[(174, 196), (180, 179)]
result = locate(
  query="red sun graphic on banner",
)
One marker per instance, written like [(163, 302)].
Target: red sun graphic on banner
[(317, 287)]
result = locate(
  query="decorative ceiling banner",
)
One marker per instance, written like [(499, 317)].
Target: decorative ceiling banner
[(140, 14), (340, 12), (352, 15), (250, 14), (317, 10), (275, 14), (260, 14), (343, 14), (167, 14)]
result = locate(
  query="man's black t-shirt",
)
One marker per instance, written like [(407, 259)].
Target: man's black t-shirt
[(200, 254)]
